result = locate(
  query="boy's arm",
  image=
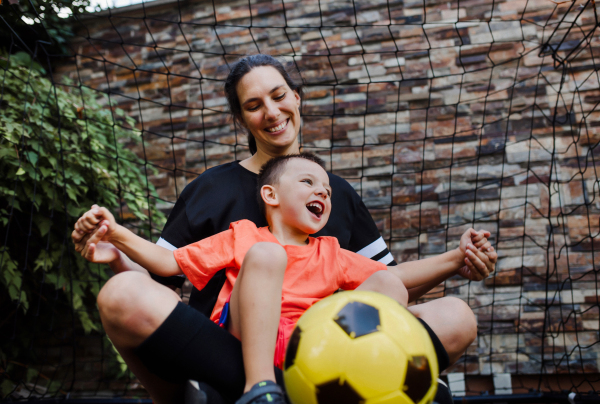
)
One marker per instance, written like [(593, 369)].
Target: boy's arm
[(154, 258), (473, 259)]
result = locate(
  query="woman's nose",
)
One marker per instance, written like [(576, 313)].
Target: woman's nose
[(272, 112)]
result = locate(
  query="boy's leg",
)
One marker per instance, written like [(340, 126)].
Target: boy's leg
[(388, 284), (255, 309), (453, 322)]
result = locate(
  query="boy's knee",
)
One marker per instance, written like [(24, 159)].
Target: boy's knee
[(387, 283), (266, 256)]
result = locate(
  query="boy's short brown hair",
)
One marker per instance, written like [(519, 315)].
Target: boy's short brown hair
[(272, 170)]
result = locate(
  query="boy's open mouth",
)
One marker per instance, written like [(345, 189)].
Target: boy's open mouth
[(316, 208)]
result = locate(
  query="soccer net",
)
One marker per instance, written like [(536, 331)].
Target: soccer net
[(442, 115)]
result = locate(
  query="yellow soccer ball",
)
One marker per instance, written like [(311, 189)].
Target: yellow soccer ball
[(360, 347)]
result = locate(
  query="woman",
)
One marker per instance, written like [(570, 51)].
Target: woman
[(165, 342)]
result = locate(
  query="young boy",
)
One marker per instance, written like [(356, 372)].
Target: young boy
[(273, 274)]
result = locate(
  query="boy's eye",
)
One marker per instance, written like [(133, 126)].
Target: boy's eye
[(309, 182)]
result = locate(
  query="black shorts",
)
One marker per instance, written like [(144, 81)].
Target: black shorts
[(188, 345)]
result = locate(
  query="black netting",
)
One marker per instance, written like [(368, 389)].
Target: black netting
[(442, 115)]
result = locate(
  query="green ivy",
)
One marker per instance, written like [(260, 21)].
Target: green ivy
[(62, 148)]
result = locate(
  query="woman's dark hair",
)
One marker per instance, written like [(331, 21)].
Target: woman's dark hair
[(239, 70)]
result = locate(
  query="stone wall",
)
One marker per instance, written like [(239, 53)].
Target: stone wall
[(442, 115)]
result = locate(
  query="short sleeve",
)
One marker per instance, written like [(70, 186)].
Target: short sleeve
[(353, 221), (201, 260), (355, 269), (366, 239)]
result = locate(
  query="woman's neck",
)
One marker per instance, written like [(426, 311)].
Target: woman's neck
[(256, 161)]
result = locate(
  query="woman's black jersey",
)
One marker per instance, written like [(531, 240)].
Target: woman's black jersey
[(228, 193)]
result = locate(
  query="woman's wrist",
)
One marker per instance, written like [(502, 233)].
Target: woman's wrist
[(458, 258)]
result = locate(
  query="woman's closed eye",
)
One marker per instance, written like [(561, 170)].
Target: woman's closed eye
[(279, 97)]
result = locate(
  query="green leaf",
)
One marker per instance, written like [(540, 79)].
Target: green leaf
[(43, 223), (7, 387), (20, 171)]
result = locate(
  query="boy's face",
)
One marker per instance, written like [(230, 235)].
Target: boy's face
[(304, 196)]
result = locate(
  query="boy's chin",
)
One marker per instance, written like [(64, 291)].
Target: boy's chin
[(317, 229)]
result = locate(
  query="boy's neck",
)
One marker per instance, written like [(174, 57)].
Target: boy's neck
[(287, 235)]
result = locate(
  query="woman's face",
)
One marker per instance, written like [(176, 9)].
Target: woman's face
[(270, 110)]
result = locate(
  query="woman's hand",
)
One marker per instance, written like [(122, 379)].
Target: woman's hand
[(479, 255), (92, 230)]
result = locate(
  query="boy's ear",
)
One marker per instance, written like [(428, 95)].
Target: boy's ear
[(269, 195)]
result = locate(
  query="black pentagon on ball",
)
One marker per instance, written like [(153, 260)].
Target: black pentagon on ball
[(292, 348), (336, 392), (418, 378), (358, 319)]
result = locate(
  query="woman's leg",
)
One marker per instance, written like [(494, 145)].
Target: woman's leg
[(132, 306), (255, 309), (453, 322), (164, 342)]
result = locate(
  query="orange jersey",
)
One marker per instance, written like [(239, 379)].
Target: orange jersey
[(314, 271)]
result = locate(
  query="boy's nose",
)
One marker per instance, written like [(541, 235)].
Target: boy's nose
[(321, 192)]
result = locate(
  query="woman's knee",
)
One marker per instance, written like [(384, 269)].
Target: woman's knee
[(132, 306), (463, 329), (464, 316)]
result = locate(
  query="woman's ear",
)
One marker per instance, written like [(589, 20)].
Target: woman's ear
[(269, 195), (297, 98)]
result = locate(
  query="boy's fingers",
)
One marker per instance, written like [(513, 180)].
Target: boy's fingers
[(80, 245), (485, 247), (96, 236), (76, 236), (481, 242)]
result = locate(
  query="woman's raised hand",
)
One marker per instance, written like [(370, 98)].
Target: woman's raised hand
[(91, 231), (480, 257)]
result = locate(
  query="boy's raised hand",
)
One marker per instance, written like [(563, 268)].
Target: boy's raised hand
[(479, 255)]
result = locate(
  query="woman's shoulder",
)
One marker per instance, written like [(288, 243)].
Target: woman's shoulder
[(222, 176), (341, 186)]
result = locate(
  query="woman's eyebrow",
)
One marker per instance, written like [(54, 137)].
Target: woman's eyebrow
[(270, 92)]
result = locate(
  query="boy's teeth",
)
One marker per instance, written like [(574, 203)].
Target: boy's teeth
[(315, 205), (278, 127)]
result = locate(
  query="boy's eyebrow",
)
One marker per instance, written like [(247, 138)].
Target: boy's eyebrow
[(312, 176), (270, 92)]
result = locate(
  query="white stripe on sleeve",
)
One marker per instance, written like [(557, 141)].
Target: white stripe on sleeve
[(387, 259), (373, 249), (165, 244)]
